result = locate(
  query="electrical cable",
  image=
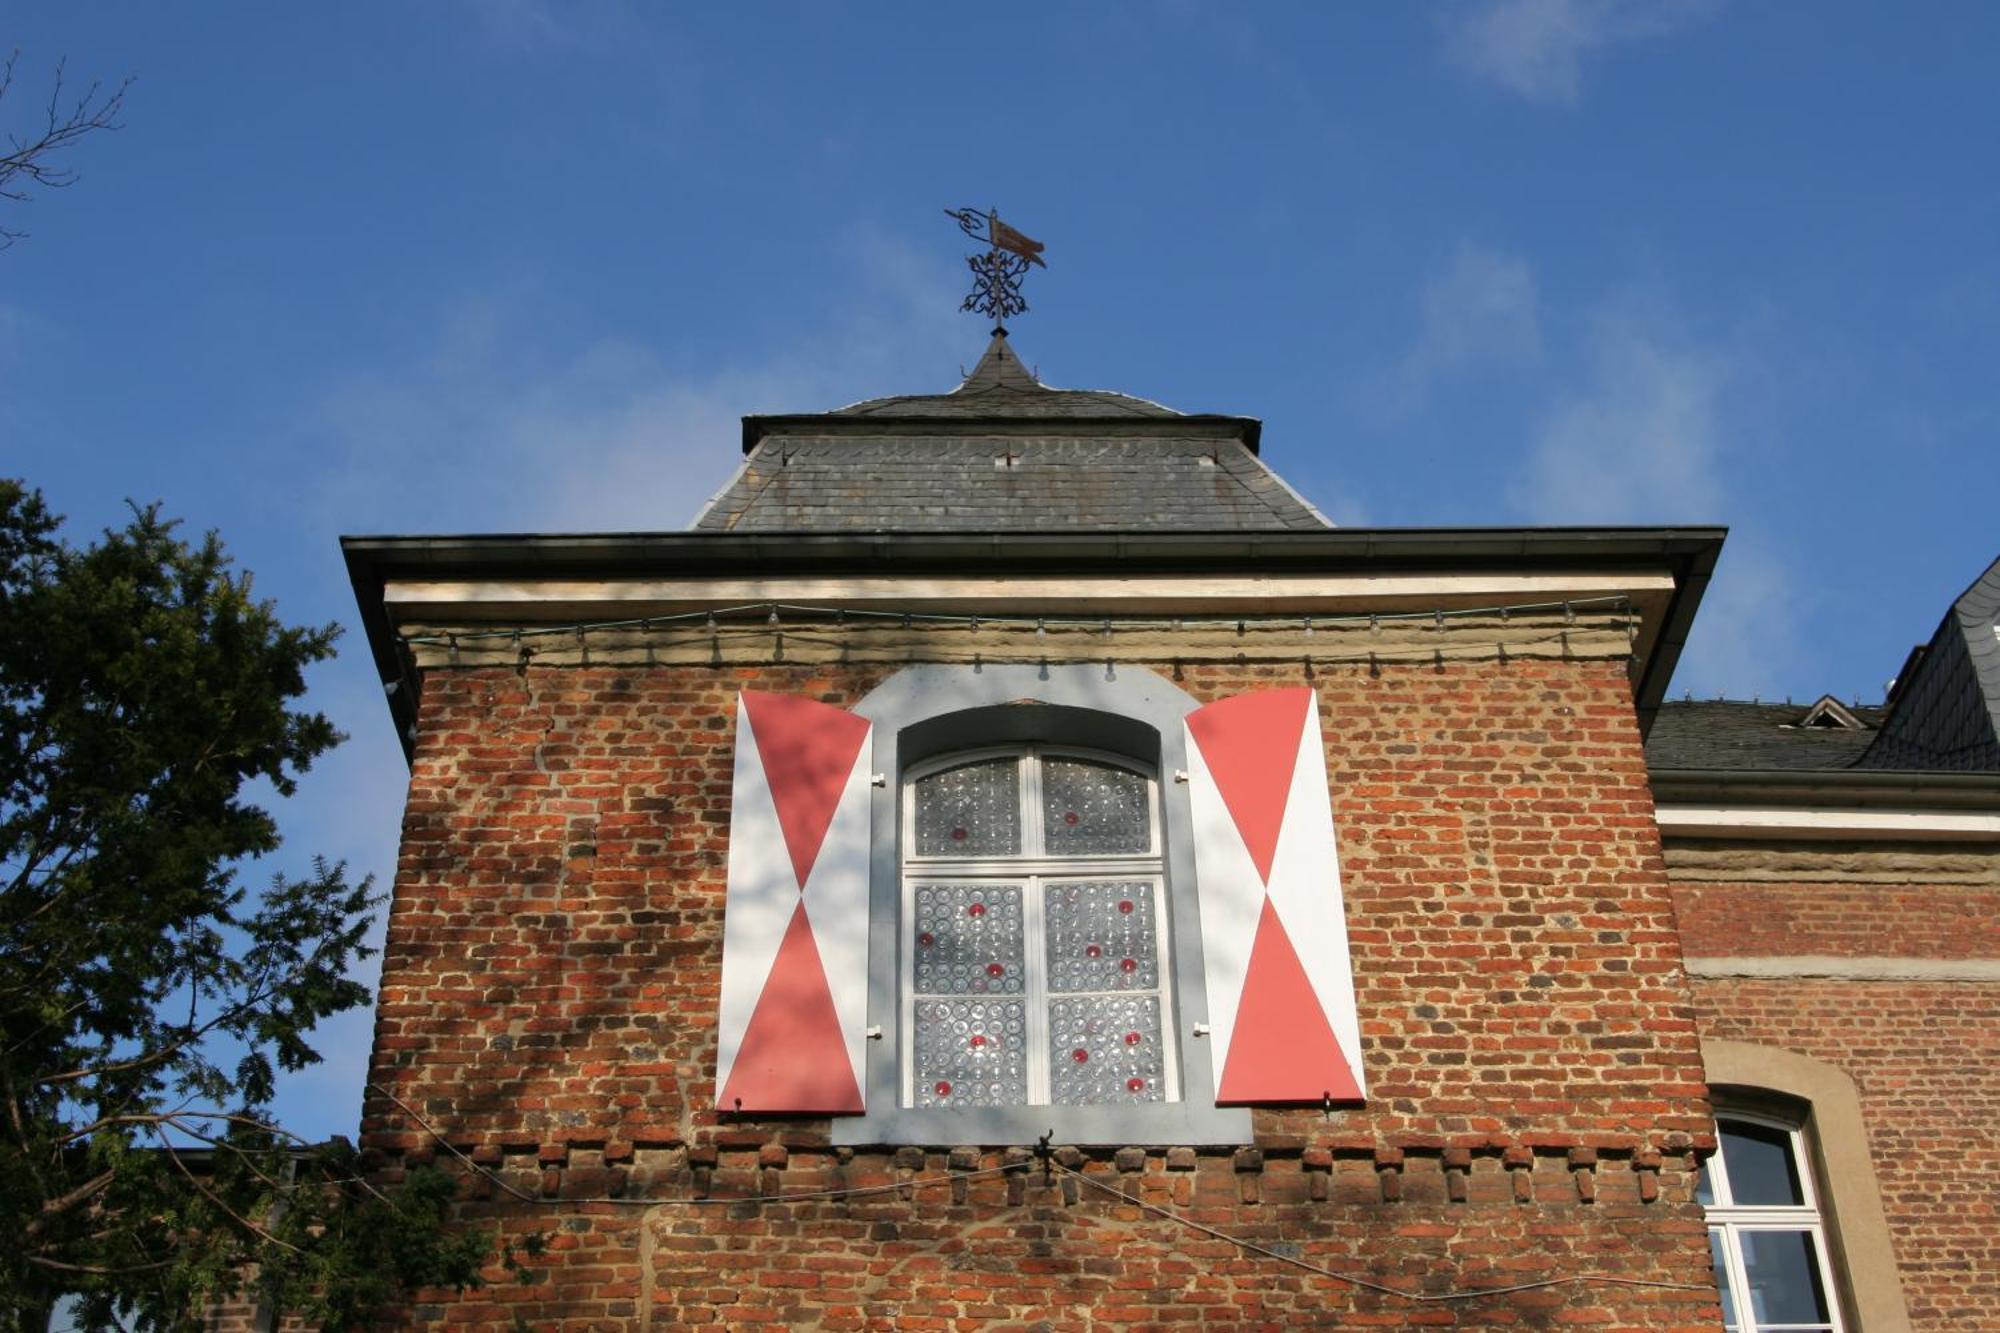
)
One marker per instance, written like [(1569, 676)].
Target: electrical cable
[(1350, 1279), (921, 1182), (525, 1196)]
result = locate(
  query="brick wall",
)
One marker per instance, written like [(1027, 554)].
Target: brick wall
[(551, 978), (1840, 920), (1924, 1055)]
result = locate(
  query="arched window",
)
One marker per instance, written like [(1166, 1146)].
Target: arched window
[(1036, 961), (1007, 753), (1084, 891), (1765, 1228)]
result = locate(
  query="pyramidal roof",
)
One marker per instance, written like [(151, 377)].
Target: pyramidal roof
[(1000, 386), (1004, 452)]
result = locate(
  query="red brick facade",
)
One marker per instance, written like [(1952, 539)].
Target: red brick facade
[(1536, 1101), (1924, 1054), (1752, 919)]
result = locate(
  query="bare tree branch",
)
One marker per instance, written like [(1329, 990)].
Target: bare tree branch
[(33, 160), (43, 1261), (173, 1155), (81, 1194)]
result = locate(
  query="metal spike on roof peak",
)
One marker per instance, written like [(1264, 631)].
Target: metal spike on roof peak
[(999, 368)]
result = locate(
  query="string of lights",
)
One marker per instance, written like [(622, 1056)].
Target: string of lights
[(1554, 646), (1467, 1294), (1047, 1164), (778, 633), (772, 616), (726, 649)]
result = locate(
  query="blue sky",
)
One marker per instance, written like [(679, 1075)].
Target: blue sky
[(506, 265)]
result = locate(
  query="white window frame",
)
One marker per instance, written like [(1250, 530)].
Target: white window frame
[(1034, 872), (1732, 1220), (1132, 712)]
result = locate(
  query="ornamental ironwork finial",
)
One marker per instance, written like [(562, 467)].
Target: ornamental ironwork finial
[(996, 274)]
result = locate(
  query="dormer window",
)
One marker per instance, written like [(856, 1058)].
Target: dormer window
[(1830, 714)]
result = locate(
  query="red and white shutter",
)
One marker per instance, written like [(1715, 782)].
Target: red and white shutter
[(1273, 929), (792, 1030)]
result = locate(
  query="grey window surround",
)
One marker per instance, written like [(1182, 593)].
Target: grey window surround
[(924, 711), (1770, 1079)]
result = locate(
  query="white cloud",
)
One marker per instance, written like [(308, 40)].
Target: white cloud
[(1745, 640), (496, 430), (1537, 48), (1640, 437), (1637, 440), (492, 433), (1483, 306), (538, 27), (15, 328)]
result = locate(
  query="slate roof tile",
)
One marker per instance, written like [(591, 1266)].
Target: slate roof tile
[(1736, 734), (801, 483)]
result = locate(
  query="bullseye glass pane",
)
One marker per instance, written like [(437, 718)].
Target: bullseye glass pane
[(971, 810), (1105, 1050), (966, 939), (1758, 1160), (971, 1053), (1094, 809), (1101, 936)]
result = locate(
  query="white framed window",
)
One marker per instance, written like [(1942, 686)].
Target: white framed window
[(1765, 1231), (1036, 963)]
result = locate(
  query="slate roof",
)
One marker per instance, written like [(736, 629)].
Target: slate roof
[(1735, 734), (927, 483), (1005, 453), (1000, 386), (1945, 711)]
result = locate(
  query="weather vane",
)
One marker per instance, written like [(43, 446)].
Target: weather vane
[(997, 274)]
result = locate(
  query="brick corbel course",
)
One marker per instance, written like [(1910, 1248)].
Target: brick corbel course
[(1457, 1163), (1389, 1168), (1583, 1169), (1646, 1166), (1519, 1161)]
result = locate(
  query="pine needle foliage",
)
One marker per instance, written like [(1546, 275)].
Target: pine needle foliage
[(148, 999)]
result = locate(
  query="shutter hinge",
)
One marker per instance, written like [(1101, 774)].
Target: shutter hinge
[(1201, 1029), (878, 779), (874, 1032), (1180, 775)]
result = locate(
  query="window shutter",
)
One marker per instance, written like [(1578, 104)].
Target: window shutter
[(792, 1028), (1273, 930)]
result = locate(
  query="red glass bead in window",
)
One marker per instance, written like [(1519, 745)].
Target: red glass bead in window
[(943, 1089), (978, 1040), (958, 835), (1132, 1039), (1071, 818), (1128, 965), (1135, 1085), (1093, 951), (977, 909), (926, 940), (1125, 906), (995, 970), (1080, 1055)]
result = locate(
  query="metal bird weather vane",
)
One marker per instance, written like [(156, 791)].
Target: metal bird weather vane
[(996, 274)]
